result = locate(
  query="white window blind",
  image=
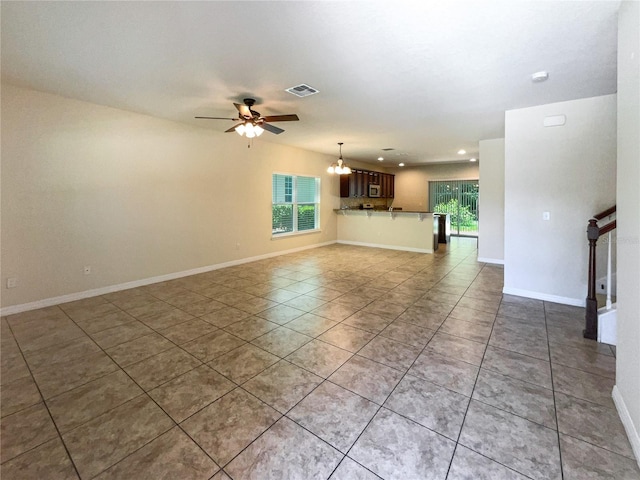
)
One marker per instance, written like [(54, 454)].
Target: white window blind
[(295, 203)]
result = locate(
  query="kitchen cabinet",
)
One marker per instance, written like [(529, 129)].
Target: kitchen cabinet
[(345, 184), (384, 181), (362, 179), (374, 178), (356, 185), (386, 185)]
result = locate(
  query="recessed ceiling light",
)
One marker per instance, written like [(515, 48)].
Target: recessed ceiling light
[(380, 158), (461, 152), (473, 159), (401, 164), (540, 76)]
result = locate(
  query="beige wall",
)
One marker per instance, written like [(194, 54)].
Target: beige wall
[(412, 183), (627, 390), (491, 207), (133, 196)]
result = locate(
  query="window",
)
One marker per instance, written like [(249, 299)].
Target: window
[(295, 204)]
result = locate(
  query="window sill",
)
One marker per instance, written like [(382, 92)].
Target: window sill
[(294, 234)]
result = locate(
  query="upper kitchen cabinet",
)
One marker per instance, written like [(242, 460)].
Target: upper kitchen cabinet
[(357, 183), (387, 181)]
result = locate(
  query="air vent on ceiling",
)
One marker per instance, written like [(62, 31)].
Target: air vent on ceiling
[(302, 90), (387, 149)]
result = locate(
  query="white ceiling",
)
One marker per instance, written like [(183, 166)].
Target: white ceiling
[(424, 77)]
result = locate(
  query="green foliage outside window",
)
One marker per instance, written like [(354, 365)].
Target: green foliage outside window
[(306, 217), (459, 214), (282, 218)]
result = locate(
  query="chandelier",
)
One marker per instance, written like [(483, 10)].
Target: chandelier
[(339, 168)]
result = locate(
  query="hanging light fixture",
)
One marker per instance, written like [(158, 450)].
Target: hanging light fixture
[(339, 168), (249, 129)]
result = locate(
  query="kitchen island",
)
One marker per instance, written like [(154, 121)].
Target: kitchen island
[(414, 231)]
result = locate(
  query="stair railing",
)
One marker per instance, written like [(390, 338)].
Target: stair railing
[(594, 232)]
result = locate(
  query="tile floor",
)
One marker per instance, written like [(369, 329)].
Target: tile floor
[(339, 362)]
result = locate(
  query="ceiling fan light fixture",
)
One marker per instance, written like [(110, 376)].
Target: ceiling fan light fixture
[(240, 129), (258, 130), (249, 130)]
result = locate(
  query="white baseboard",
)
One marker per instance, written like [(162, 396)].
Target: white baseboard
[(388, 247), (627, 422), (71, 297), (576, 302), (494, 261)]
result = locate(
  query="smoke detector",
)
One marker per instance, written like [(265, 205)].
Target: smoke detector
[(539, 77)]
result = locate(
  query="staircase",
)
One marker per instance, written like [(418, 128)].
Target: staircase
[(600, 323)]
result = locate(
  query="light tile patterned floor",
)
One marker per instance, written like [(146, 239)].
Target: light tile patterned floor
[(339, 362)]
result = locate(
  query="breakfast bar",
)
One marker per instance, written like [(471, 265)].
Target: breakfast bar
[(414, 231)]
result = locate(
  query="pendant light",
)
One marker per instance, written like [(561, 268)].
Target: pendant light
[(339, 168)]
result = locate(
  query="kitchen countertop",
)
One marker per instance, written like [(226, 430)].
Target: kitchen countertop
[(374, 210)]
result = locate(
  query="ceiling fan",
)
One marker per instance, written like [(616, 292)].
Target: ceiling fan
[(252, 124)]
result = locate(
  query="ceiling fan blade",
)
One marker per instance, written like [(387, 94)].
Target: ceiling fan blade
[(281, 118), (234, 127), (219, 118), (272, 128), (244, 110)]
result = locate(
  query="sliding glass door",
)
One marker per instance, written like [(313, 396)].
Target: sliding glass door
[(458, 198)]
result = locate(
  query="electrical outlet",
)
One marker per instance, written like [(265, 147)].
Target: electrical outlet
[(87, 269), (12, 282)]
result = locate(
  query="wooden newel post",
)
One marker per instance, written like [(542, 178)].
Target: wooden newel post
[(591, 317)]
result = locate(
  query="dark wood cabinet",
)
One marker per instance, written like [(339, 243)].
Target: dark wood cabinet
[(361, 178), (374, 179), (356, 185), (384, 182), (345, 184), (387, 186)]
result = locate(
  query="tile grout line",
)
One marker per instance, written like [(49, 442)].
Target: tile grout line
[(464, 418), (44, 403), (555, 404), (471, 398)]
